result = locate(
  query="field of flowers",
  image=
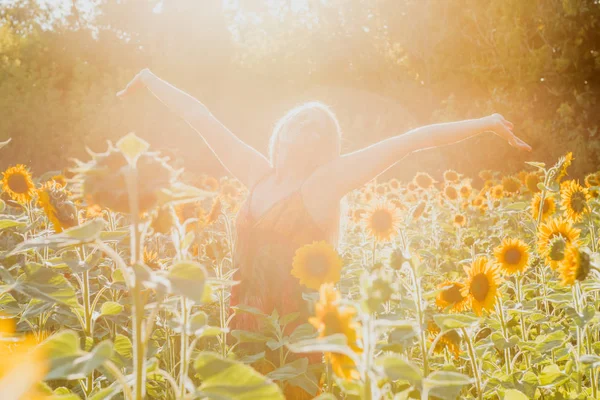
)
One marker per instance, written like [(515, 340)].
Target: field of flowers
[(116, 283)]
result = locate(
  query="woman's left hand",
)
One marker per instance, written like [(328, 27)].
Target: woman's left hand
[(503, 128)]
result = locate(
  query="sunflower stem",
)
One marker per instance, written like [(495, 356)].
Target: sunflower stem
[(520, 297), (500, 308), (471, 351), (418, 300)]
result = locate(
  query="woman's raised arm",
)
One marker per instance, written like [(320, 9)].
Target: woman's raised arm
[(352, 170), (241, 160)]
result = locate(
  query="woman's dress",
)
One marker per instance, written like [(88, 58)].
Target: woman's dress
[(263, 256)]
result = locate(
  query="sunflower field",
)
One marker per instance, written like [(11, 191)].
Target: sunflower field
[(116, 284)]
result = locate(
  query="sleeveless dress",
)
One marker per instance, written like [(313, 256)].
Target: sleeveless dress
[(263, 256)]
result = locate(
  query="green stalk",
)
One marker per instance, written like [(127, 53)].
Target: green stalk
[(418, 300), (473, 363), (183, 351), (500, 309), (368, 394), (520, 298), (139, 350)]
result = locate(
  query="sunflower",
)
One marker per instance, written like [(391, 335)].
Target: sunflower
[(592, 179), (460, 220), (547, 210), (451, 193), (478, 201), (550, 235), (451, 297), (357, 215), (451, 176), (103, 180), (511, 185), (60, 180), (512, 255), (423, 180), (531, 181), (497, 192), (382, 222), (450, 340), (465, 191), (163, 220), (381, 189), (24, 365), (565, 164), (367, 196), (215, 211), (483, 280), (575, 266), (573, 200), (59, 209), (316, 263), (331, 318), (151, 259), (17, 182), (522, 175)]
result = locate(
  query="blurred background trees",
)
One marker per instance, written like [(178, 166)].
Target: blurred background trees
[(385, 66)]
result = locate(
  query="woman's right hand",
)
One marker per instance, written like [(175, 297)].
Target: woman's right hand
[(136, 83)]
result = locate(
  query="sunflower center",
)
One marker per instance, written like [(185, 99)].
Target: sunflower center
[(381, 221), (317, 265), (452, 295), (546, 206), (578, 202), (557, 248), (512, 256), (18, 184), (584, 266), (480, 286)]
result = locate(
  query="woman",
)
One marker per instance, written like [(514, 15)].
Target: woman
[(294, 196)]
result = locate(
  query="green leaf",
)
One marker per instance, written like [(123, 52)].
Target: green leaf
[(217, 383), (539, 165), (546, 343), (552, 376), (590, 360), (455, 321), (336, 343), (396, 368), (517, 206), (249, 337), (446, 384), (196, 322), (188, 279), (86, 233), (123, 346), (2, 144), (514, 394), (10, 223), (68, 361), (111, 308), (289, 370), (181, 192), (113, 236), (47, 284)]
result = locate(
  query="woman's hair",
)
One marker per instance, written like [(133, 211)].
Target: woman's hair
[(318, 117)]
